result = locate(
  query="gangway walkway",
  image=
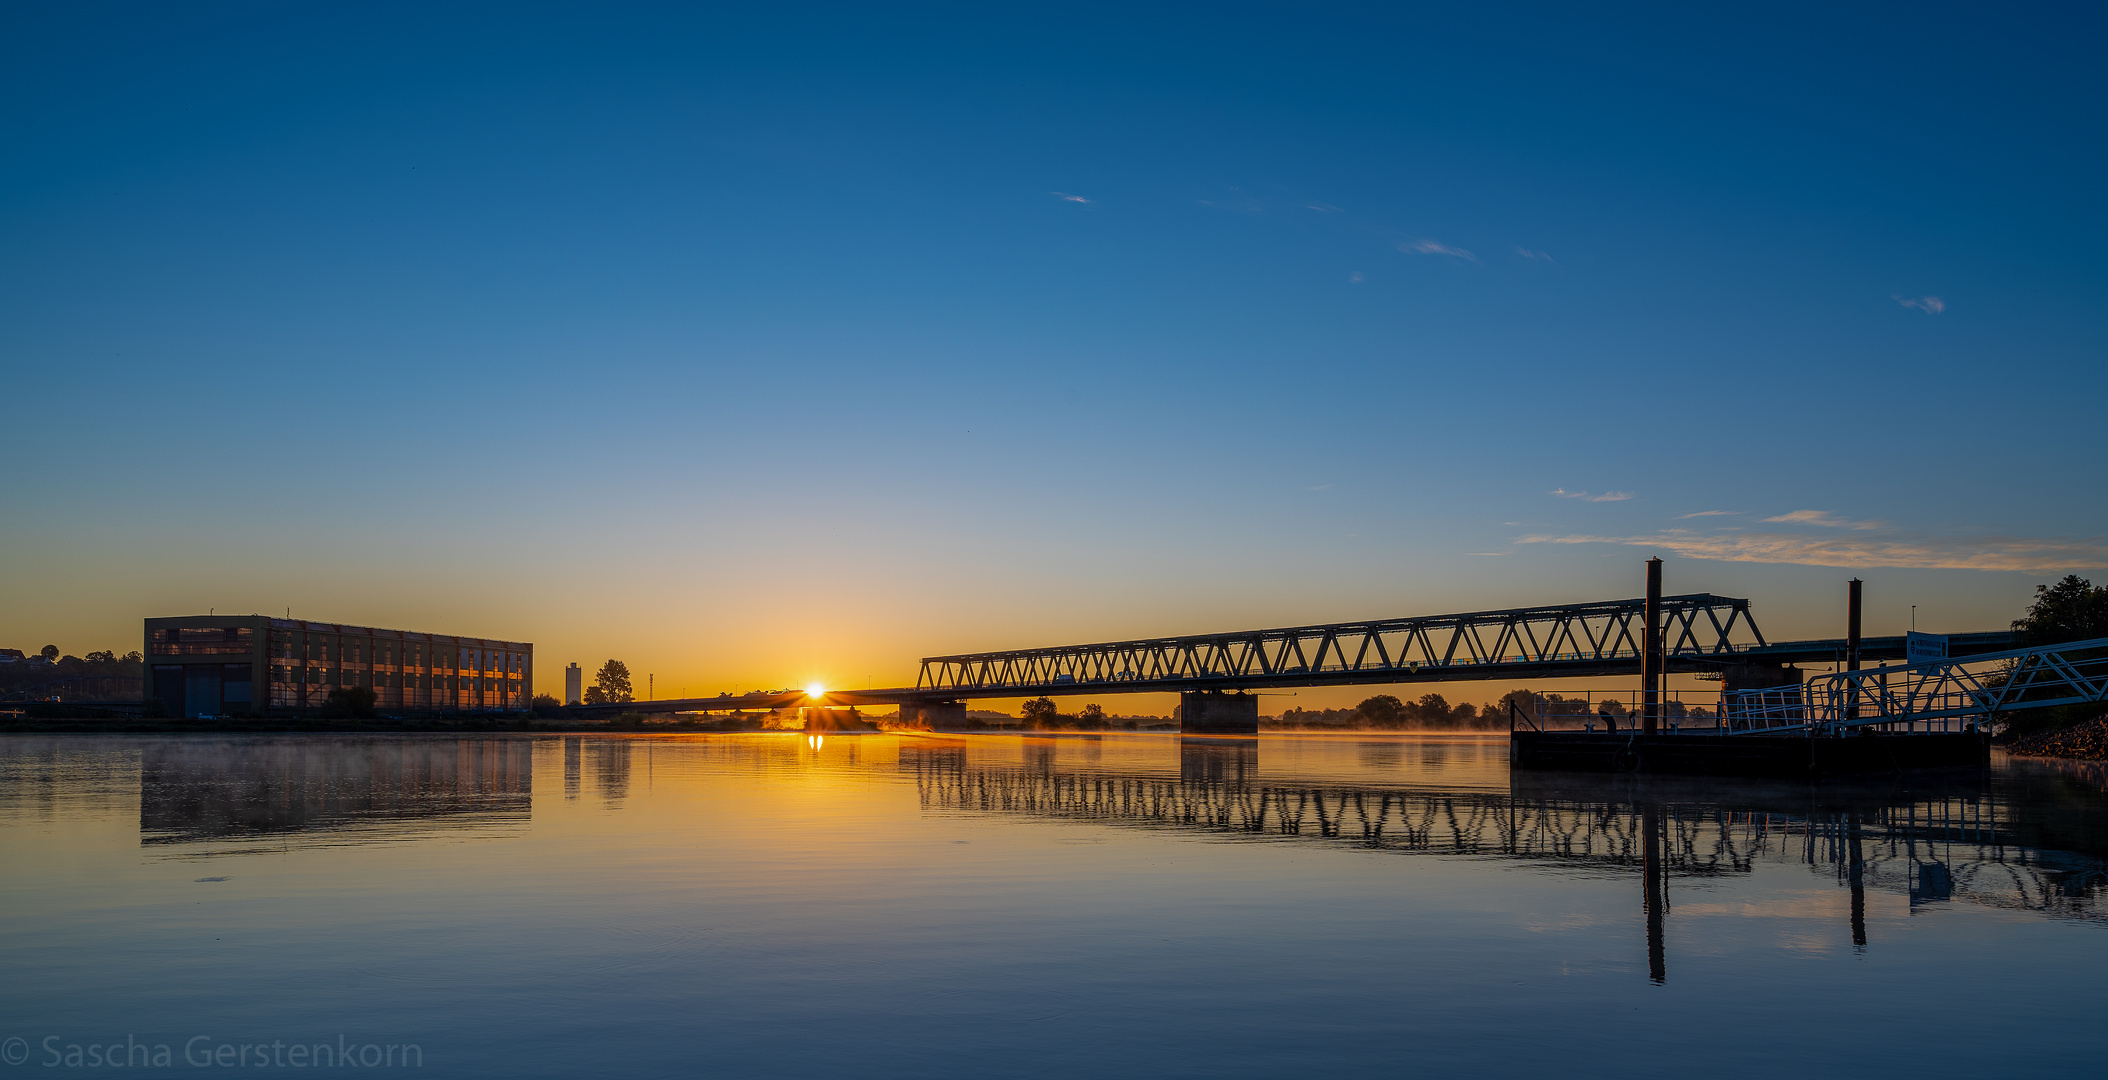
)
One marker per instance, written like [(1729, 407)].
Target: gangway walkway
[(1940, 695)]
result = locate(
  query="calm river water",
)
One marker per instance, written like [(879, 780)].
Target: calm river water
[(986, 906)]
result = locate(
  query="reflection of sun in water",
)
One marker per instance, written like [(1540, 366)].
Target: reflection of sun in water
[(815, 741), (816, 690)]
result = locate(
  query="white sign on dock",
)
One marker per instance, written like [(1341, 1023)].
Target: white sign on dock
[(1924, 648)]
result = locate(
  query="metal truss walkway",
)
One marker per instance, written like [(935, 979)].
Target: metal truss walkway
[(1935, 696), (1571, 640)]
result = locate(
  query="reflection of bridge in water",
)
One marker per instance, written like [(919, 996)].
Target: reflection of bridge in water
[(1982, 840), (311, 789)]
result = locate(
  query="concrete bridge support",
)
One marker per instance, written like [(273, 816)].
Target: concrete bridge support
[(1757, 675), (934, 715), (1213, 712)]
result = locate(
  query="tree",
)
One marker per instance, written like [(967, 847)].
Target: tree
[(1383, 710), (50, 652), (596, 696), (1039, 713), (1524, 702), (613, 683), (546, 706), (102, 656), (2071, 610), (1092, 718), (1433, 710)]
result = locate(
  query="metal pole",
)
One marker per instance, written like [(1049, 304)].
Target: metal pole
[(1852, 627), (1852, 649), (1650, 651)]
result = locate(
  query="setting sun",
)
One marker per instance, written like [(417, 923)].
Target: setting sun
[(815, 690)]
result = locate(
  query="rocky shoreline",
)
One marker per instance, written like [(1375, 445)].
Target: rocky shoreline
[(2084, 742)]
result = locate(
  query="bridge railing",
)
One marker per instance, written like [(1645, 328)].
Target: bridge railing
[(1598, 710), (1942, 695)]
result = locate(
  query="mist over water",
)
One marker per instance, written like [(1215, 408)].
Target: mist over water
[(892, 905)]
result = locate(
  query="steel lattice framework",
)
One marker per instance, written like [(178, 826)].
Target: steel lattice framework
[(1565, 640), (1931, 694)]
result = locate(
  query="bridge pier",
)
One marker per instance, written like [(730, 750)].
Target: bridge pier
[(1216, 713), (934, 715), (1757, 675)]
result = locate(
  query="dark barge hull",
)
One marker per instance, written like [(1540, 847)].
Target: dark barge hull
[(1745, 755)]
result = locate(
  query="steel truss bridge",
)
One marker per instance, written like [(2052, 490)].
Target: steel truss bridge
[(1938, 695), (1569, 640), (1700, 632), (1963, 843)]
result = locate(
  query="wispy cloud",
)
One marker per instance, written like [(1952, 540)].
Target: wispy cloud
[(1436, 247), (1538, 255), (1930, 305), (1495, 554), (1323, 208), (1823, 518), (1918, 552), (1066, 197), (1710, 513), (1608, 496), (1356, 277)]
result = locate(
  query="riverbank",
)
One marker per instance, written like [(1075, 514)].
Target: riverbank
[(372, 725), (2083, 742)]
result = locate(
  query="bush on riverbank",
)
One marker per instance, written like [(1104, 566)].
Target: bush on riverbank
[(2087, 741)]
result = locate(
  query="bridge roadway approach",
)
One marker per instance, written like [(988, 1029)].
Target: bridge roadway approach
[(1700, 632)]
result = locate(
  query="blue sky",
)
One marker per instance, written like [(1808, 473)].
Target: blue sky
[(760, 346)]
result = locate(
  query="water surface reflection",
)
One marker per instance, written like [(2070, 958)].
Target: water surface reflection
[(2025, 840), (316, 790), (1044, 905)]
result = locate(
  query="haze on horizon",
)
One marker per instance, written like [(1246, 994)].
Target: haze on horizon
[(763, 348)]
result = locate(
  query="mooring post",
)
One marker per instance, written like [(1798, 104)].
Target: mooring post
[(1650, 651), (1852, 626), (1852, 646)]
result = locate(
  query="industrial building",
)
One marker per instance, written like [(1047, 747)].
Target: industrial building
[(232, 665)]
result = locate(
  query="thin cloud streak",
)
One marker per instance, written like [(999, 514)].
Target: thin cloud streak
[(1608, 496), (1710, 513), (1823, 518), (1537, 255), (1920, 553), (1930, 305), (1065, 196), (1436, 247)]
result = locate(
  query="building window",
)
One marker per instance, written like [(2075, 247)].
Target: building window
[(208, 641)]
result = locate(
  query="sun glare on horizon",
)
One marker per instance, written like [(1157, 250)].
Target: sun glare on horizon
[(815, 690)]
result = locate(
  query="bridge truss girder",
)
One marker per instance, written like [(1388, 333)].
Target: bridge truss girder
[(1567, 640)]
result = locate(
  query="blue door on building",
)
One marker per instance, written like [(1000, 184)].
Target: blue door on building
[(201, 693)]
